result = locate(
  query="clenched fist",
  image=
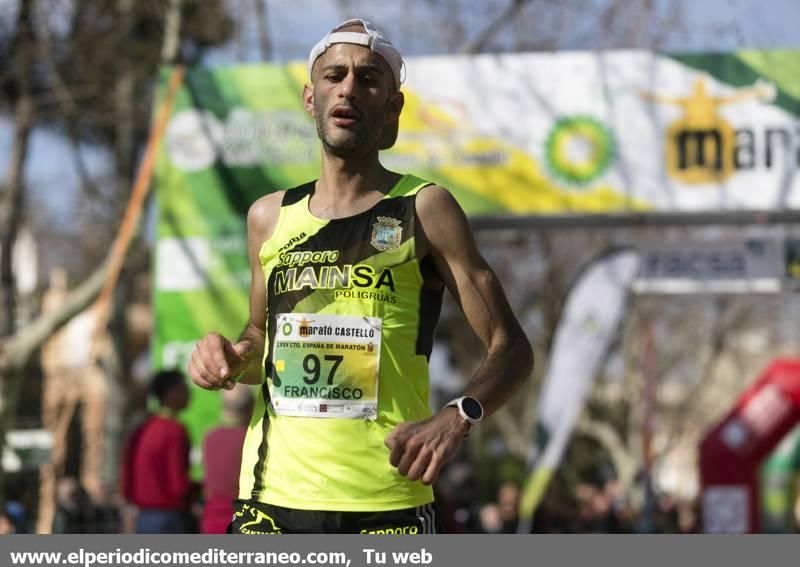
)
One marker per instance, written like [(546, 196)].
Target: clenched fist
[(420, 449), (216, 361)]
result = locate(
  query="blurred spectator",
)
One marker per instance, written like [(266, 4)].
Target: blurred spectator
[(602, 520), (554, 514), (622, 515), (107, 512), (15, 510), (455, 491), (687, 518), (490, 520), (74, 511), (667, 515), (584, 499), (155, 467), (501, 517), (7, 525), (222, 457), (508, 507)]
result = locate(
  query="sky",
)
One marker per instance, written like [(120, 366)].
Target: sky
[(716, 25)]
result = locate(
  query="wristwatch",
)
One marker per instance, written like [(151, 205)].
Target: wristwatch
[(469, 409)]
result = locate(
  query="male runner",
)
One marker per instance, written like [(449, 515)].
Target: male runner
[(347, 279)]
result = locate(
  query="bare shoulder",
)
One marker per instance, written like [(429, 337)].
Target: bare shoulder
[(262, 217), (442, 221), (433, 200)]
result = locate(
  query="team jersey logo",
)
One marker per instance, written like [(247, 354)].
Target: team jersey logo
[(386, 234), (260, 523)]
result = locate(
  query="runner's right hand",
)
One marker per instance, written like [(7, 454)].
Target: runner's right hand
[(216, 361)]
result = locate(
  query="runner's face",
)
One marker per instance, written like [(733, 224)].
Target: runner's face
[(351, 99)]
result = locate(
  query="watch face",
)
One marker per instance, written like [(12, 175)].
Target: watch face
[(472, 408)]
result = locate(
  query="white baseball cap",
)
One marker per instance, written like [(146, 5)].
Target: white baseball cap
[(371, 38)]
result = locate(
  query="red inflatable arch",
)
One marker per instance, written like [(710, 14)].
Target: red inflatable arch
[(731, 452)]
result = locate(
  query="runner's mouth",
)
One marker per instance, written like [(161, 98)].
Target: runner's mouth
[(344, 116)]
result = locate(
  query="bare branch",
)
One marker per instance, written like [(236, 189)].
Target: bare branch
[(17, 350), (610, 440), (172, 32), (264, 40), (516, 439), (478, 44)]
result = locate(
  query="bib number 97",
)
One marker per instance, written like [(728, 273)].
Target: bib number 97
[(313, 365)]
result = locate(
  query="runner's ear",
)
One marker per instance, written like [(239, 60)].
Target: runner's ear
[(390, 129), (389, 135)]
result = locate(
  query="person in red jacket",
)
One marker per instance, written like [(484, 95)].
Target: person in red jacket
[(155, 467), (222, 458)]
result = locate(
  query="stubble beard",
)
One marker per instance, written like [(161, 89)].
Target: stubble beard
[(345, 145), (354, 143)]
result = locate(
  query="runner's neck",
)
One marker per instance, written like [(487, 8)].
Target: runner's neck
[(341, 193)]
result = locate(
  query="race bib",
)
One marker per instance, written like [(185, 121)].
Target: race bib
[(326, 365)]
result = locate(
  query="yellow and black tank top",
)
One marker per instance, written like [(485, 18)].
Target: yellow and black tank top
[(350, 326)]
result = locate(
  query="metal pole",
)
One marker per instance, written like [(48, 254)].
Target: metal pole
[(647, 520)]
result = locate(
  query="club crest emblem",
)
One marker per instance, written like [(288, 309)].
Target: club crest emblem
[(386, 234)]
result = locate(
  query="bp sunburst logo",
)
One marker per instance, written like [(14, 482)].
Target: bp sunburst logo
[(579, 149)]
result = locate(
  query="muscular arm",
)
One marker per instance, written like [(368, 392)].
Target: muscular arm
[(216, 360), (261, 219), (509, 358), (420, 449)]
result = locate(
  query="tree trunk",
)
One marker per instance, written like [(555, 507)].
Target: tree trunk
[(13, 200), (103, 400), (22, 48)]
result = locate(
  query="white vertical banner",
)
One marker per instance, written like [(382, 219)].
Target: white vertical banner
[(589, 322)]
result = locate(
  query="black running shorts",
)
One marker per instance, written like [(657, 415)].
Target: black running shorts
[(257, 518)]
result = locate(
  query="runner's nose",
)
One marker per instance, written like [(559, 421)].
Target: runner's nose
[(348, 86)]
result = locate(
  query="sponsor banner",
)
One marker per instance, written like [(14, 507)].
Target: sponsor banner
[(727, 266), (588, 324), (534, 133)]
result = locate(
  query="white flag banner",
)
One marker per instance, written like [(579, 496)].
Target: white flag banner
[(589, 322)]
